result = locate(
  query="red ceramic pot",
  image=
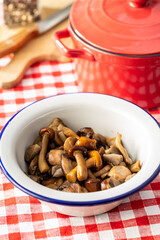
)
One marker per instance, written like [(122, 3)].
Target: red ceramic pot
[(117, 48)]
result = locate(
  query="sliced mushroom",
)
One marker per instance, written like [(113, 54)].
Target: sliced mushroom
[(69, 143), (112, 149), (102, 171), (38, 140), (86, 142), (33, 165), (75, 187), (55, 123), (66, 164), (123, 164), (122, 149), (31, 152), (135, 167), (65, 184), (46, 133), (55, 157), (61, 135), (113, 158), (114, 182), (57, 171), (105, 184), (58, 182), (109, 183), (119, 172), (67, 131), (48, 181), (86, 131), (101, 150), (93, 184), (129, 177), (110, 141), (100, 138), (57, 139)]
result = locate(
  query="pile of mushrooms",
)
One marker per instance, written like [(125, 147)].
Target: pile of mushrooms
[(78, 162)]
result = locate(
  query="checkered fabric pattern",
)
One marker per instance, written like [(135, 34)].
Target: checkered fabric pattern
[(23, 217)]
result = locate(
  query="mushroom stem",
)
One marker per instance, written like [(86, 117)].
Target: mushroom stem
[(47, 134), (42, 163), (72, 175), (102, 171), (82, 172), (122, 149), (97, 158)]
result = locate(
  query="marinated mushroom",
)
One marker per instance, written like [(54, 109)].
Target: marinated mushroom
[(69, 143), (93, 184), (82, 172), (122, 149), (119, 172), (33, 165), (86, 142), (31, 152), (95, 160), (66, 164), (64, 160), (129, 177), (55, 157), (87, 132), (46, 133), (114, 159), (57, 171), (135, 167), (105, 184), (112, 149), (103, 171), (75, 187), (113, 182)]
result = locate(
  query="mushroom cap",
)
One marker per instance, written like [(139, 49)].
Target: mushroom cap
[(31, 152), (47, 130), (86, 131), (93, 184), (119, 172), (55, 156), (76, 148), (86, 142), (69, 142)]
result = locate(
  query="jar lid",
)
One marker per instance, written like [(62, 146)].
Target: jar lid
[(129, 27)]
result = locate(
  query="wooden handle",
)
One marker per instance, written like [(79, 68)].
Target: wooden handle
[(13, 39), (38, 49)]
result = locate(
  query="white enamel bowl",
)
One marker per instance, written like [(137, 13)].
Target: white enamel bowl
[(106, 115)]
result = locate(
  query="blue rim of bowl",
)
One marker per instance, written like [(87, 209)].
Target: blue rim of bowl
[(76, 203)]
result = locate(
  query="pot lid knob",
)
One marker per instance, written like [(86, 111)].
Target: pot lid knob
[(138, 3)]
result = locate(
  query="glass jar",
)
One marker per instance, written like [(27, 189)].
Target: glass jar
[(20, 12)]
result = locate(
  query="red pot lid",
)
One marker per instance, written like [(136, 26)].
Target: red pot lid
[(119, 26)]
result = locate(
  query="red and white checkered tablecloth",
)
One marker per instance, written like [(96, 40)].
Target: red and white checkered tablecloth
[(23, 217)]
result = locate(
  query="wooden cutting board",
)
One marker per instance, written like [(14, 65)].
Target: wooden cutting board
[(39, 49)]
